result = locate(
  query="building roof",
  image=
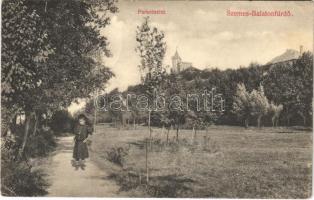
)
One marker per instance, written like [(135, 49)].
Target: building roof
[(176, 56)]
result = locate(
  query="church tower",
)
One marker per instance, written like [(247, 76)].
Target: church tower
[(176, 60)]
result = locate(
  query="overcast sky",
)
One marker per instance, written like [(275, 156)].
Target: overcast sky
[(206, 36)]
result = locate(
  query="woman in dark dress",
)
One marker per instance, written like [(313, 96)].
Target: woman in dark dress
[(82, 131)]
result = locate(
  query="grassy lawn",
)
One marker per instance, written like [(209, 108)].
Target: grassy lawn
[(221, 162)]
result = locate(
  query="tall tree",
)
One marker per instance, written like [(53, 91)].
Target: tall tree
[(275, 111), (151, 48), (259, 104), (241, 104), (292, 86), (54, 63), (24, 47)]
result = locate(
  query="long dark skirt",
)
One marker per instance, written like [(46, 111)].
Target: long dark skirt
[(80, 150)]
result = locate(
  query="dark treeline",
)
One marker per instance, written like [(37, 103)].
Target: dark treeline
[(288, 84)]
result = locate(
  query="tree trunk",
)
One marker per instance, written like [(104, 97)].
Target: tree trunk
[(134, 127), (26, 131), (177, 132), (246, 123), (288, 120), (273, 120), (14, 119), (259, 121), (303, 117), (193, 133), (95, 113), (146, 161), (35, 124), (304, 120), (150, 132), (168, 136)]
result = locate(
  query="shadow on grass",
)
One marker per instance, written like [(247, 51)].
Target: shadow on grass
[(158, 186), (139, 144), (171, 184)]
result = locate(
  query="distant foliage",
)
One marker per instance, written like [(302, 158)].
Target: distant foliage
[(62, 122), (287, 85)]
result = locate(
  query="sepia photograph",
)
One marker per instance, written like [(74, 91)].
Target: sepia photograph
[(157, 99)]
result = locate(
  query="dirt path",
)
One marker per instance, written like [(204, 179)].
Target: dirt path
[(67, 180)]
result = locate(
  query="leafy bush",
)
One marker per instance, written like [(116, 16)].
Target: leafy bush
[(117, 155), (41, 144), (38, 144), (18, 180), (17, 177)]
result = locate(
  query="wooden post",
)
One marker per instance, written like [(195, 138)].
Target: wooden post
[(149, 129), (146, 154), (177, 132), (193, 132), (168, 136), (95, 111)]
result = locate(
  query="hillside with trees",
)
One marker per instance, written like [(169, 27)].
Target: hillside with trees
[(281, 93)]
